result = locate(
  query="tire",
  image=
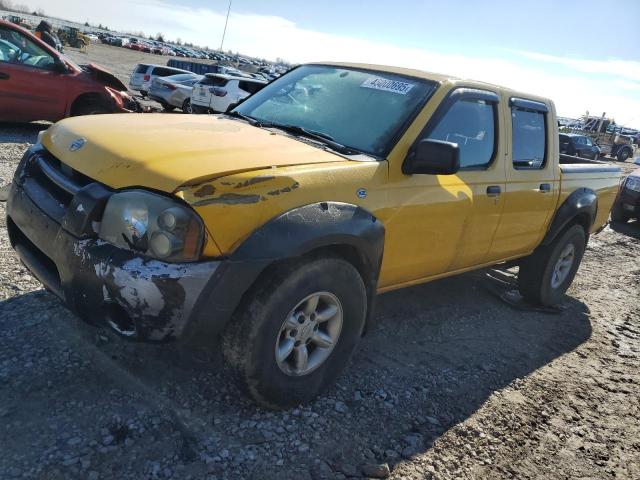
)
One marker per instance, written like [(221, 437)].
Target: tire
[(537, 281), (95, 107), (166, 107), (618, 215), (186, 106), (258, 328), (197, 110), (623, 154)]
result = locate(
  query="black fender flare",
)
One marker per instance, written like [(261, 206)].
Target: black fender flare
[(302, 230), (580, 205)]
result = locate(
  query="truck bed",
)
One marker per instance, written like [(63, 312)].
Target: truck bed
[(571, 164)]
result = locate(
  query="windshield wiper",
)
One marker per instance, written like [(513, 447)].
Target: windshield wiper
[(319, 136), (251, 120)]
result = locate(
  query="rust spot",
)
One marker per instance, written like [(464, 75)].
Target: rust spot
[(205, 191), (229, 199), (253, 181)]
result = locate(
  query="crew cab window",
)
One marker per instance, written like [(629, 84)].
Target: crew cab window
[(18, 49), (471, 124), (529, 138)]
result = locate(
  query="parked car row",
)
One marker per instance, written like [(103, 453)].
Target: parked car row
[(163, 48), (192, 93)]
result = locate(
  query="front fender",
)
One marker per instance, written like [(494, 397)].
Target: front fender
[(293, 234)]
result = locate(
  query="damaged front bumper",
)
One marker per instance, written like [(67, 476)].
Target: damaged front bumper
[(140, 298)]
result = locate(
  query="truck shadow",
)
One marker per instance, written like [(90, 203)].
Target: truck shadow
[(439, 352)]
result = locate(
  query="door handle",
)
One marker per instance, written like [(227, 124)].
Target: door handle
[(4, 76), (545, 187), (494, 191)]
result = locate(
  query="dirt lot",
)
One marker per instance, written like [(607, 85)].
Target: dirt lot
[(453, 384)]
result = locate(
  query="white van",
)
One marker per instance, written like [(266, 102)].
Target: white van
[(144, 74), (217, 92)]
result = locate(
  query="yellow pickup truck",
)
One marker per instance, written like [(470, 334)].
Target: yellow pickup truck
[(275, 225)]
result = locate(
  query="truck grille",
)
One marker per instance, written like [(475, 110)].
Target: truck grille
[(46, 178)]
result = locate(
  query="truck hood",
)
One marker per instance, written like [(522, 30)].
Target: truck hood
[(165, 152)]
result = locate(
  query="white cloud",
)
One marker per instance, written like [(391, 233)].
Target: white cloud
[(575, 85)]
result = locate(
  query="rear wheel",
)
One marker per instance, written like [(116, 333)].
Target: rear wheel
[(623, 154), (166, 107), (546, 274), (296, 331), (186, 106)]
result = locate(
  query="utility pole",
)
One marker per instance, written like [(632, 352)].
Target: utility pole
[(224, 32)]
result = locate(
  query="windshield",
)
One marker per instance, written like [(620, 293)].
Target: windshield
[(360, 109)]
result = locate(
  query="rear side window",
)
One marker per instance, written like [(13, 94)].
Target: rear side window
[(471, 124), (214, 81), (529, 138), (165, 72), (251, 87), (141, 69)]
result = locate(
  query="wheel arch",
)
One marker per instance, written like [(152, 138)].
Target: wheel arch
[(334, 228), (87, 98), (323, 228), (580, 207)]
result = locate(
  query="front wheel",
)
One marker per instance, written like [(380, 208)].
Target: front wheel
[(546, 274), (296, 331)]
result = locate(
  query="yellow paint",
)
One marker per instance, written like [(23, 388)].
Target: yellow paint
[(238, 177)]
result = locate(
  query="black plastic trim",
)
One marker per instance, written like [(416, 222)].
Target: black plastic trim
[(525, 104), (290, 235), (582, 201)]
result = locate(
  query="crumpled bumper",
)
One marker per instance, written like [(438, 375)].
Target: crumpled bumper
[(140, 298)]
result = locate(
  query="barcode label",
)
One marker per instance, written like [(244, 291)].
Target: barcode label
[(393, 86)]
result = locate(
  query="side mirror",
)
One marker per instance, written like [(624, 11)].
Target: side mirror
[(432, 157), (59, 66)]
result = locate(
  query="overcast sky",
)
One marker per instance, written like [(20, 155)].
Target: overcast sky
[(585, 55)]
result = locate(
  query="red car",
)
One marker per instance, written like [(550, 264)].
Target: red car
[(38, 83)]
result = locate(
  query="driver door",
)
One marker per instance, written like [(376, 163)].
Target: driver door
[(29, 87)]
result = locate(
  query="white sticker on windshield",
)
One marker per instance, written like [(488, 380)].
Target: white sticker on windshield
[(394, 86)]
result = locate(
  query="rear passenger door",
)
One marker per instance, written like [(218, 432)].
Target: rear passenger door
[(532, 187)]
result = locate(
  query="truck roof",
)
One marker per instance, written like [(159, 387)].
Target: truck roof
[(436, 77)]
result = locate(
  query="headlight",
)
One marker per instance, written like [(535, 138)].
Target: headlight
[(153, 225), (633, 183)]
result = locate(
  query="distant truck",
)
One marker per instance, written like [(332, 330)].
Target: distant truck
[(606, 135), (276, 225)]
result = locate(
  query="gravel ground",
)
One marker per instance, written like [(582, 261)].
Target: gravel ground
[(454, 383)]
